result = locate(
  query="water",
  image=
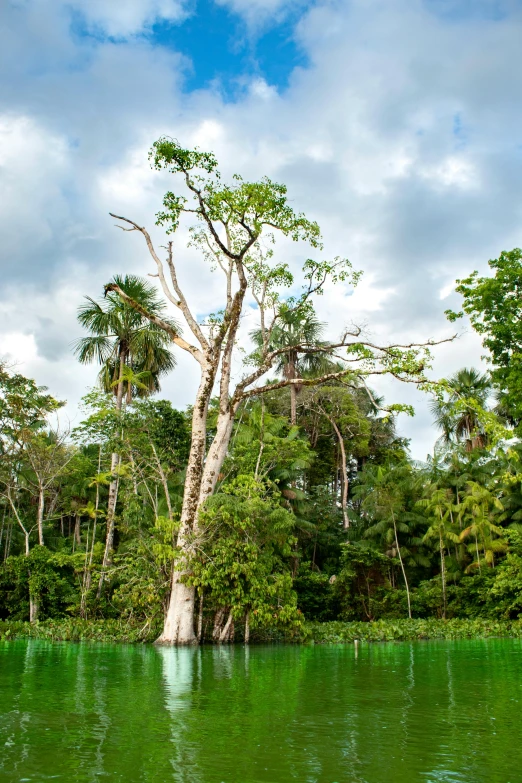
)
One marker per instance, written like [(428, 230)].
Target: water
[(392, 713)]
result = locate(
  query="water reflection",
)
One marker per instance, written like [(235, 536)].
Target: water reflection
[(396, 712)]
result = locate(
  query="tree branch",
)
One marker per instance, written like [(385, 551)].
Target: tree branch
[(174, 336), (180, 302)]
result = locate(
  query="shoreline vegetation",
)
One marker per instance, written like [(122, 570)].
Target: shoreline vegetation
[(334, 632), (282, 504)]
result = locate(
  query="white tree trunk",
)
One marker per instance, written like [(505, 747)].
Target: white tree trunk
[(41, 504), (199, 485), (113, 490), (179, 620), (33, 609), (216, 455)]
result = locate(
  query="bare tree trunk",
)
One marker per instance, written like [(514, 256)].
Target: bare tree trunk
[(442, 576), (179, 620), (402, 566), (219, 616), (77, 534), (87, 573), (33, 609), (17, 517), (163, 480), (227, 634), (216, 455), (9, 538), (247, 628), (344, 473), (40, 514), (113, 489), (109, 540), (200, 617), (293, 404)]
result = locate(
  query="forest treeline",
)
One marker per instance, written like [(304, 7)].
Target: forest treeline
[(284, 498)]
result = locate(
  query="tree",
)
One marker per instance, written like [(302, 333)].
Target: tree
[(384, 492), (133, 351), (244, 562), (122, 338), (480, 507), (457, 415), (24, 411), (48, 457), (296, 327), (231, 221), (439, 505), (337, 406), (494, 306)]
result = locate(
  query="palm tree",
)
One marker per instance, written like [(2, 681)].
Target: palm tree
[(457, 415), (439, 506), (383, 491), (297, 327), (133, 353), (481, 508), (121, 337)]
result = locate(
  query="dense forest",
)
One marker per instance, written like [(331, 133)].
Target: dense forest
[(283, 493)]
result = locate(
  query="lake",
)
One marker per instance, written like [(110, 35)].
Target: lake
[(382, 713)]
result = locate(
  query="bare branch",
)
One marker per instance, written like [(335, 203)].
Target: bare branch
[(180, 302), (183, 304), (174, 336)]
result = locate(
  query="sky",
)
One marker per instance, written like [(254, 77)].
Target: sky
[(396, 124)]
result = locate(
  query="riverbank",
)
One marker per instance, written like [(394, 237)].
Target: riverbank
[(114, 631)]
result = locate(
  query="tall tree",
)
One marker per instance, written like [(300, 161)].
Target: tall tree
[(129, 346), (439, 506), (383, 491), (231, 220), (457, 415), (494, 306), (296, 327), (24, 411)]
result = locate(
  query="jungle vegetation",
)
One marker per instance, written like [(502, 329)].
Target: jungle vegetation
[(283, 493)]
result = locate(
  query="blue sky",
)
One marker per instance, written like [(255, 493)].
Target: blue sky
[(395, 123), (220, 47)]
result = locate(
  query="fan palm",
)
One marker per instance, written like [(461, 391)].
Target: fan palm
[(294, 332), (133, 353), (439, 506), (121, 337), (384, 492), (456, 415)]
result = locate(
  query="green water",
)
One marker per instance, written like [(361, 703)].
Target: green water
[(435, 711)]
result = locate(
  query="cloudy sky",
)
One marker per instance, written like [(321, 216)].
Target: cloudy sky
[(397, 124)]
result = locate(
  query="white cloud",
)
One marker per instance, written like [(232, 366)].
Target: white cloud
[(114, 18), (33, 165), (257, 13), (121, 18), (364, 138), (452, 172)]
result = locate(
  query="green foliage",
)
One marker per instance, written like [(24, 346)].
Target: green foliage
[(242, 560), (315, 594), (51, 578), (132, 350), (78, 630), (360, 587), (495, 308), (319, 515), (410, 630), (24, 408), (252, 206)]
